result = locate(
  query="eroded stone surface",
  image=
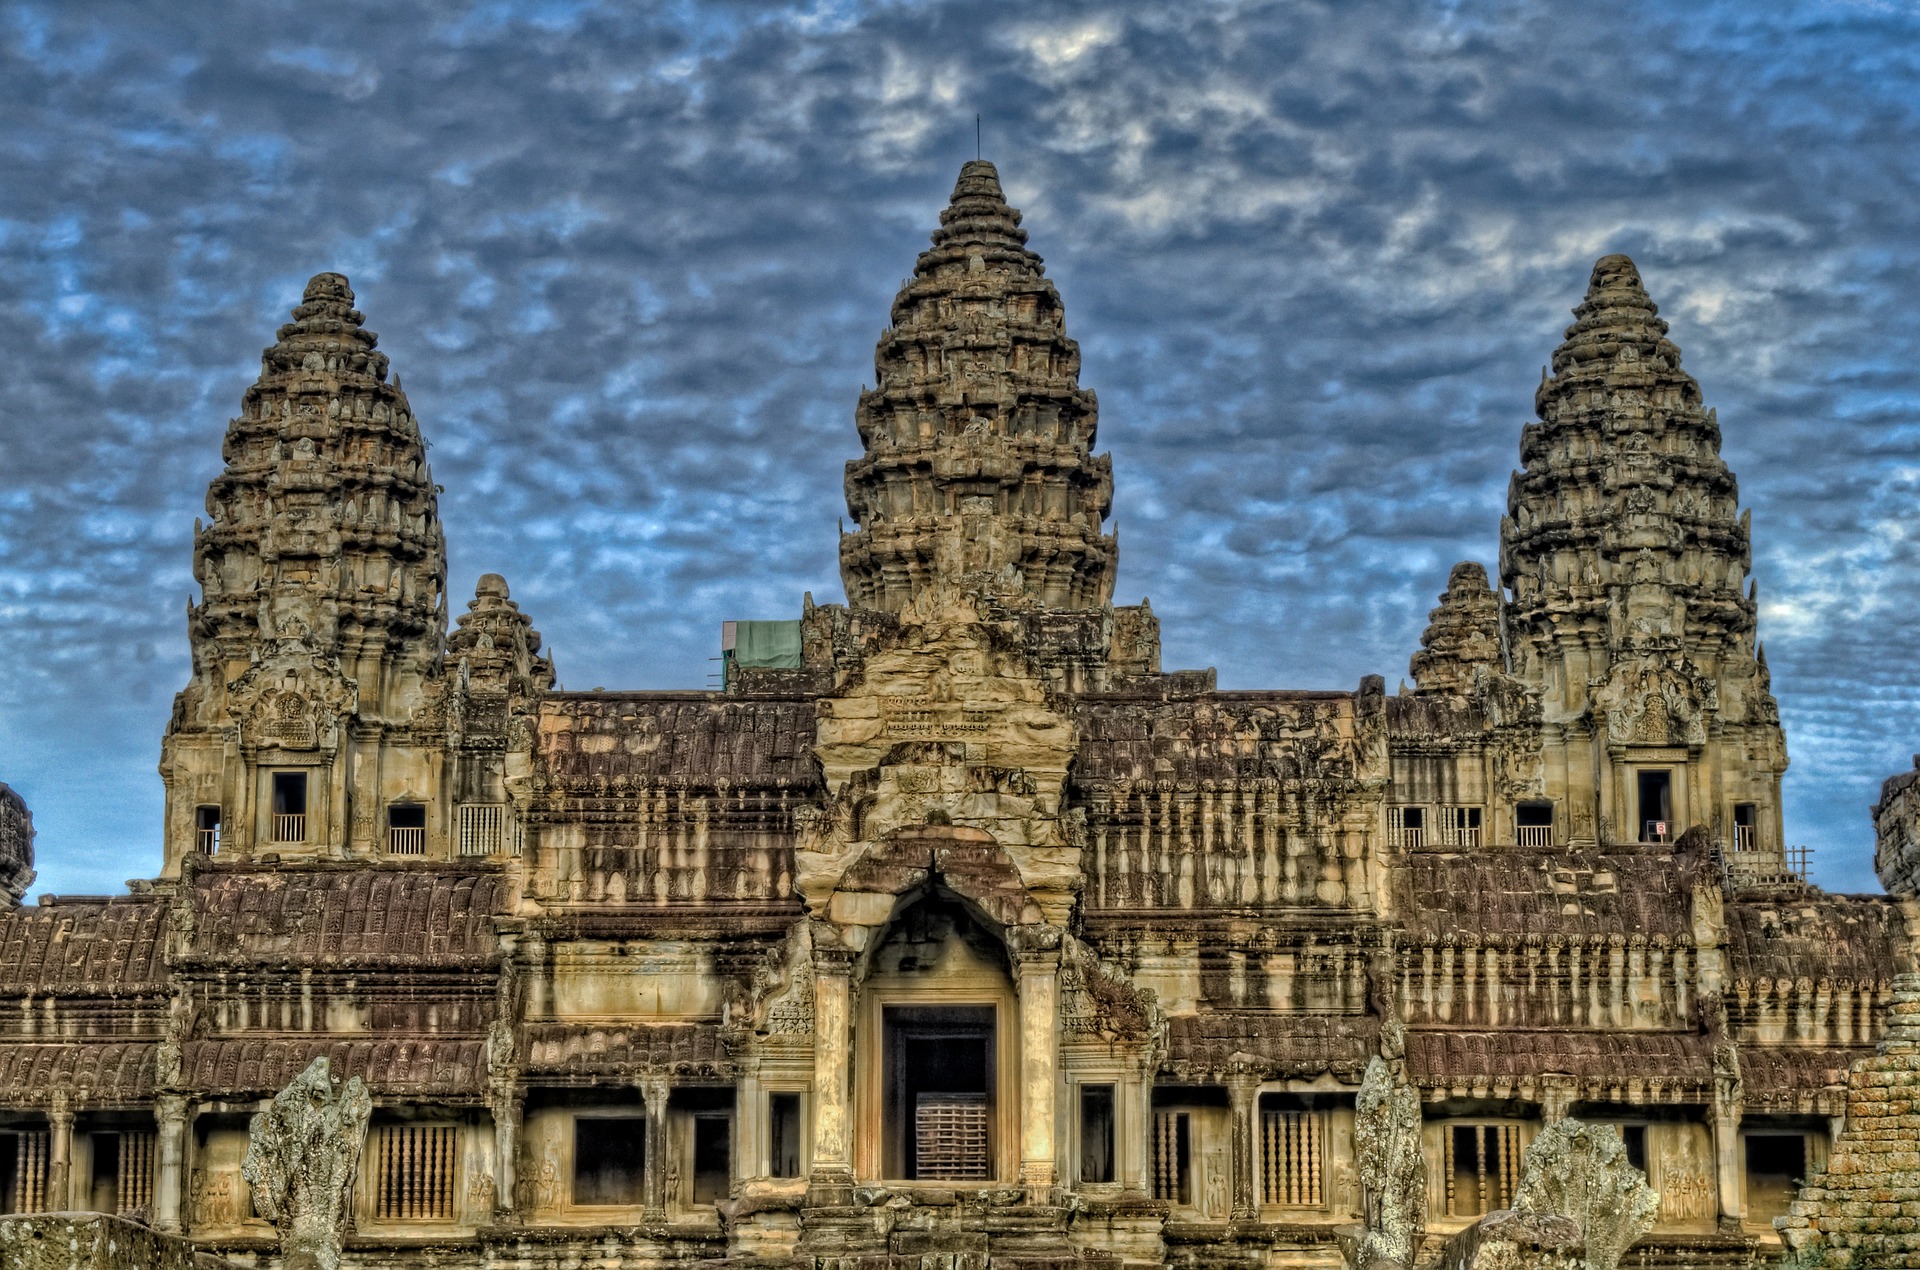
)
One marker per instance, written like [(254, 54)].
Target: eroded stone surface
[(301, 1156), (1580, 1171)]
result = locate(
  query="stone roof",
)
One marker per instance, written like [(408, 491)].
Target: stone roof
[(361, 916), (611, 743), (106, 946), (104, 1072), (620, 1049), (1858, 939), (1208, 1044), (1215, 737), (1451, 1057), (1548, 892), (440, 1067)]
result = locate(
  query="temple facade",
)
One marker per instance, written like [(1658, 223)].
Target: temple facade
[(954, 932)]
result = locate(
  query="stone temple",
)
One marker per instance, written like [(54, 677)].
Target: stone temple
[(953, 931)]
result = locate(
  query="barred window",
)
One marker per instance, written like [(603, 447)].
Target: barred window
[(23, 1171), (950, 1137), (482, 827), (1173, 1156), (1407, 827), (413, 1167), (1482, 1166), (122, 1181), (1460, 826), (1291, 1145)]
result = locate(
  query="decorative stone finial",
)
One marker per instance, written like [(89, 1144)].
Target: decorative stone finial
[(979, 469), (301, 1155), (497, 644)]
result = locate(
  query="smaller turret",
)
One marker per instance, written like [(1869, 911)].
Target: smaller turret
[(496, 646), (1462, 641)]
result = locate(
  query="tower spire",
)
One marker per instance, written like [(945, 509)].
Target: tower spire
[(978, 466), (325, 529)]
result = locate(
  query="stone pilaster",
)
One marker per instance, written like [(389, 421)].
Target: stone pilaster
[(655, 1089), (831, 1173), (1037, 980), (169, 1183), (1243, 1094)]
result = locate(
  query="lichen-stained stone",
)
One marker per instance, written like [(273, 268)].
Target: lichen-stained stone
[(1580, 1171), (96, 1241), (1179, 975), (301, 1155), (1393, 1171)]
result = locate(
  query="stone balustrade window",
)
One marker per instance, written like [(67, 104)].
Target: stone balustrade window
[(413, 1172), (406, 829), (23, 1171), (122, 1173), (1173, 1156), (289, 807), (483, 829), (206, 830), (1292, 1156), (1459, 826), (1533, 824), (1407, 827), (1481, 1165)]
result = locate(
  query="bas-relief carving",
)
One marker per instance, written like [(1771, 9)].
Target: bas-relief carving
[(1657, 699), (948, 724)]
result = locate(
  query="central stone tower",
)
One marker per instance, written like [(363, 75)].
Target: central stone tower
[(979, 464)]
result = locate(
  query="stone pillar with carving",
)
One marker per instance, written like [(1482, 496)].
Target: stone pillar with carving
[(1724, 1116), (169, 1183), (1556, 1097), (1243, 1095), (831, 1175), (509, 1111), (60, 1152), (1036, 969), (655, 1089)]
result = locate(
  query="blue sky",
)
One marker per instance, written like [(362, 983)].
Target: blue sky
[(630, 261)]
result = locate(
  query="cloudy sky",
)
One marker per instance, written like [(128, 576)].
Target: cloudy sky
[(631, 260)]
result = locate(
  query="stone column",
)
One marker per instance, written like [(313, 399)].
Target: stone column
[(654, 1088), (170, 1111), (509, 1110), (1556, 1098), (1037, 980), (60, 1154), (1243, 1094), (831, 1173), (1725, 1118)]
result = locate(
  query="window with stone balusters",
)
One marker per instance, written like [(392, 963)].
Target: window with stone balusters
[(120, 1179), (1480, 1164), (1293, 1135), (413, 1168), (23, 1170)]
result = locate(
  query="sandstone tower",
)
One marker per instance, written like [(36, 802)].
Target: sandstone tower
[(978, 435), (1626, 556)]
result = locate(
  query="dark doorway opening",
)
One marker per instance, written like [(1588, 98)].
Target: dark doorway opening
[(939, 1092), (1656, 806)]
